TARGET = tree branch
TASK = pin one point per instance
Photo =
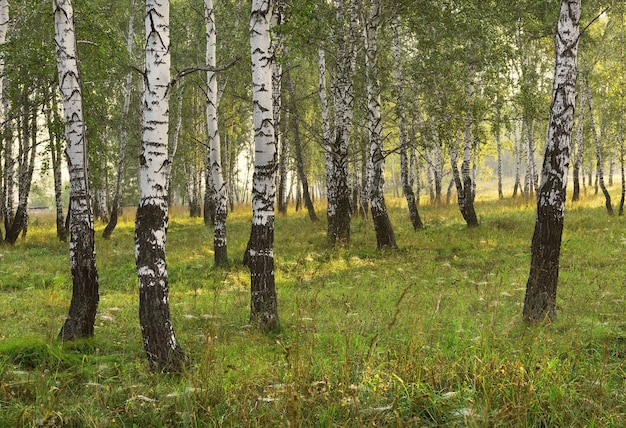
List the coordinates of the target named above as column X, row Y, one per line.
column 194, row 68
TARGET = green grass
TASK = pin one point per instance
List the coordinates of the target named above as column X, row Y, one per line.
column 426, row 335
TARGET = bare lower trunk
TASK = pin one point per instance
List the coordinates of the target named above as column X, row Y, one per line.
column 163, row 351
column 540, row 299
column 295, row 126
column 117, row 195
column 263, row 303
column 407, row 188
column 215, row 154
column 579, row 147
column 599, row 165
column 85, row 295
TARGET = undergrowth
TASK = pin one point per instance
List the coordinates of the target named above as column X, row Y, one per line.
column 426, row 335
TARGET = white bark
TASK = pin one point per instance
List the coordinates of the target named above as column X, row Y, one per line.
column 71, row 94
column 215, row 156
column 160, row 344
column 261, row 247
column 117, row 197
column 540, row 299
column 82, row 311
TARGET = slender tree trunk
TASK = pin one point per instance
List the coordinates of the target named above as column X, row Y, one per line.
column 596, row 139
column 405, row 169
column 385, row 236
column 295, row 126
column 264, row 310
column 163, row 351
column 53, row 122
column 518, row 160
column 117, row 195
column 579, row 145
column 277, row 45
column 465, row 194
column 339, row 210
column 622, row 117
column 82, row 312
column 540, row 299
column 497, row 132
column 26, row 165
column 215, row 154
column 4, row 106
column 364, row 196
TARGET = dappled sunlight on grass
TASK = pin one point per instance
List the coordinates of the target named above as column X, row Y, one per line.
column 429, row 334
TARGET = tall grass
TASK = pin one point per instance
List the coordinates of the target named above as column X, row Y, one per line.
column 426, row 335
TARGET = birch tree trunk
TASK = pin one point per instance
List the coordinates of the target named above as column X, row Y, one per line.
column 596, row 139
column 579, row 145
column 465, row 192
column 4, row 26
column 405, row 169
column 163, row 351
column 26, row 164
column 497, row 131
column 339, row 210
column 53, row 121
column 297, row 140
column 385, row 236
column 277, row 46
column 540, row 299
column 264, row 311
column 85, row 296
column 622, row 117
column 215, row 154
column 117, row 196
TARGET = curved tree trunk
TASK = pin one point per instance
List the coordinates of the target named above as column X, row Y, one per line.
column 117, row 196
column 163, row 351
column 85, row 295
column 385, row 236
column 26, row 165
column 464, row 187
column 215, row 154
column 596, row 139
column 263, row 305
column 540, row 299
column 405, row 169
column 295, row 126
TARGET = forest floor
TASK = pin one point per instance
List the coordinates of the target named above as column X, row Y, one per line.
column 426, row 335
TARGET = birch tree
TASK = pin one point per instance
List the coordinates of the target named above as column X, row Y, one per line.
column 117, row 195
column 160, row 344
column 264, row 311
column 82, row 312
column 385, row 236
column 463, row 181
column 4, row 26
column 540, row 298
column 405, row 169
column 596, row 140
column 215, row 157
column 338, row 191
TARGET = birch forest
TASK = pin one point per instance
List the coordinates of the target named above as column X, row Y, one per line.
column 377, row 132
